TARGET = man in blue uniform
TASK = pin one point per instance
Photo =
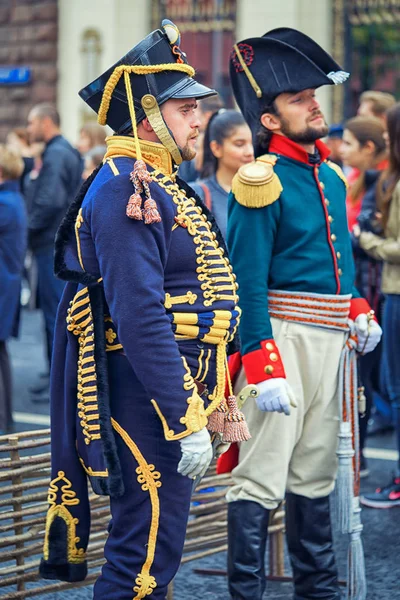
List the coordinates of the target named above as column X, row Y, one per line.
column 142, row 333
column 291, row 251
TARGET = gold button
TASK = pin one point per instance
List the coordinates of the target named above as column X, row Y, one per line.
column 326, row 201
column 269, row 369
column 340, row 271
column 330, row 219
column 322, row 185
column 333, row 237
column 273, row 357
column 148, row 101
column 269, row 346
column 338, row 255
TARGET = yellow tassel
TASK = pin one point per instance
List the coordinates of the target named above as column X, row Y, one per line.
column 257, row 185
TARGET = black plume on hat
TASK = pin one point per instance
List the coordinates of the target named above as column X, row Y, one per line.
column 154, row 49
column 283, row 60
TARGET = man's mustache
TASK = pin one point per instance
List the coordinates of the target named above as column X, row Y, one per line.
column 315, row 115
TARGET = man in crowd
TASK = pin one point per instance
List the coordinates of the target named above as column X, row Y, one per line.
column 55, row 187
column 334, row 142
column 375, row 104
column 142, row 331
column 291, row 251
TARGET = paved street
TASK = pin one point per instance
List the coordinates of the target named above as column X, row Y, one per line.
column 381, row 528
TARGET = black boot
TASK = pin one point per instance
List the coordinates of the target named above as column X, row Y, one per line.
column 247, row 538
column 309, row 537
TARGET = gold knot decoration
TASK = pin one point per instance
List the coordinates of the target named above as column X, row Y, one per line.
column 195, row 416
column 145, row 585
column 147, row 476
column 110, row 335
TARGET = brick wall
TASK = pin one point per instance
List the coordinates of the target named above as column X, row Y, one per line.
column 28, row 37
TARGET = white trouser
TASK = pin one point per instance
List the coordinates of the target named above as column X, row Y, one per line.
column 296, row 453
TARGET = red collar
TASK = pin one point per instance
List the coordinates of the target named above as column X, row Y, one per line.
column 280, row 144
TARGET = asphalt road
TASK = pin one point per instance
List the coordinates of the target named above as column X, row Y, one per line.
column 381, row 527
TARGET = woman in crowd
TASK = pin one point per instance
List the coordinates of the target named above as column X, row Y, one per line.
column 386, row 247
column 18, row 140
column 13, row 235
column 364, row 149
column 227, row 146
column 91, row 135
column 93, row 158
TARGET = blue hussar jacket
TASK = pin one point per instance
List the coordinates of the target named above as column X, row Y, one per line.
column 299, row 242
column 133, row 286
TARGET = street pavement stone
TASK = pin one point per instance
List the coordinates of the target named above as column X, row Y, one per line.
column 381, row 527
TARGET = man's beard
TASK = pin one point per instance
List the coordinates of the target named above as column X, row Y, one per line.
column 187, row 152
column 308, row 135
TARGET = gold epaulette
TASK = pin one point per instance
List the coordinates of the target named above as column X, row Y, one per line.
column 256, row 184
column 338, row 171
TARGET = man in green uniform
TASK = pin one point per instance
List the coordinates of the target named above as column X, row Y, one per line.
column 302, row 319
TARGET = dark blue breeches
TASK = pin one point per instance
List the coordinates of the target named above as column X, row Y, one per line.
column 148, row 525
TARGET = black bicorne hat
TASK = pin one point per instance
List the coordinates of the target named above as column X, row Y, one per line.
column 283, row 60
column 155, row 49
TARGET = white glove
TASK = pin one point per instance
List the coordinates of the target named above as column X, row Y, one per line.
column 276, row 395
column 368, row 334
column 196, row 454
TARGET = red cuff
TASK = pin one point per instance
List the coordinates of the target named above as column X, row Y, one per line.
column 359, row 306
column 263, row 364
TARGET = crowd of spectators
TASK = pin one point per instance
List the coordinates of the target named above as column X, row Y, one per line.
column 40, row 173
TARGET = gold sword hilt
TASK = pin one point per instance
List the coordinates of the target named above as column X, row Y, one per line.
column 249, row 391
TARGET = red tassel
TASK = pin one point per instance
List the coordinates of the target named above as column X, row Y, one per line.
column 141, row 178
column 151, row 214
column 216, row 421
column 235, row 427
column 134, row 207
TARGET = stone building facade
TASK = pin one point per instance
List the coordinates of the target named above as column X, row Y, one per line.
column 66, row 43
column 95, row 33
column 28, row 38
